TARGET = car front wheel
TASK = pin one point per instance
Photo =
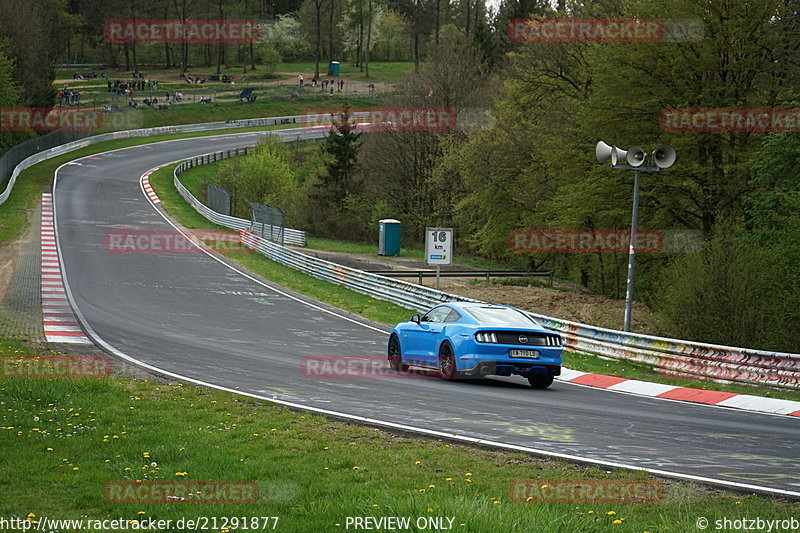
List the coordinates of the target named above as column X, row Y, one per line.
column 541, row 382
column 395, row 355
column 447, row 362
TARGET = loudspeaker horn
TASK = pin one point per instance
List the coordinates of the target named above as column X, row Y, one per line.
column 617, row 154
column 602, row 151
column 636, row 156
column 664, row 156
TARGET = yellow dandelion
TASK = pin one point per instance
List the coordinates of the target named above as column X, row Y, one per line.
column 611, row 513
column 617, row 521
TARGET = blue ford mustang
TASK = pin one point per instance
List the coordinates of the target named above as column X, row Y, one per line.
column 465, row 339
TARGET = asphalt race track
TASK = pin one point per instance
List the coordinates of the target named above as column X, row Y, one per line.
column 191, row 315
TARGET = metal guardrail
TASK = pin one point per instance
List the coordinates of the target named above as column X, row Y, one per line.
column 670, row 356
column 290, row 236
column 488, row 274
column 396, row 291
column 679, row 357
column 11, row 159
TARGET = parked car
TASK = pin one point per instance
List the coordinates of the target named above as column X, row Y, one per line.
column 465, row 339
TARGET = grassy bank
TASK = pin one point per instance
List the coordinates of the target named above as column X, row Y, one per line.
column 72, row 437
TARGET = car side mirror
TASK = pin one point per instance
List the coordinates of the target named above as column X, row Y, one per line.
column 415, row 319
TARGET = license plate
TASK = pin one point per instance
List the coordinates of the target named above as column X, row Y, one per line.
column 530, row 354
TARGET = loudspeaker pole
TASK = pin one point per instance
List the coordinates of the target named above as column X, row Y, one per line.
column 663, row 157
column 632, row 251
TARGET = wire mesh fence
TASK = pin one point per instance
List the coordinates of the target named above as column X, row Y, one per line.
column 218, row 199
column 268, row 222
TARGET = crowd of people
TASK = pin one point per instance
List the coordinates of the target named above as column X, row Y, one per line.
column 86, row 75
column 127, row 87
column 69, row 96
column 326, row 85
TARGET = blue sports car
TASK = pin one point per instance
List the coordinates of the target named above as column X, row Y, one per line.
column 465, row 339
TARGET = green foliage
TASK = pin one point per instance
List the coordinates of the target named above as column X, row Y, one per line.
column 270, row 58
column 285, row 37
column 721, row 294
column 335, row 192
column 265, row 176
column 10, row 94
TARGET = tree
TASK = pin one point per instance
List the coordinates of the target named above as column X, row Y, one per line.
column 341, row 145
column 336, row 191
column 286, row 36
column 10, row 94
column 312, row 10
column 265, row 176
column 35, row 30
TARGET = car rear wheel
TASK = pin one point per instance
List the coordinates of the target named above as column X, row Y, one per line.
column 541, row 382
column 447, row 362
column 395, row 355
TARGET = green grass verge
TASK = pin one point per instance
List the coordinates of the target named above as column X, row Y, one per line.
column 66, row 439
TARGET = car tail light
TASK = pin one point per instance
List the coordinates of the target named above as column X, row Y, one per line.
column 486, row 337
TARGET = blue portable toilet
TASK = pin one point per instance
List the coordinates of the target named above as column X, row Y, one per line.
column 334, row 68
column 389, row 237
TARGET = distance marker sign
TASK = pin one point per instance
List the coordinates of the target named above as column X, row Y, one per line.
column 438, row 246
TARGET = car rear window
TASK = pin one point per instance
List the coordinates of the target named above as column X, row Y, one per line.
column 500, row 316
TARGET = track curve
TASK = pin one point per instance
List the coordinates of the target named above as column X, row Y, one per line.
column 192, row 315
